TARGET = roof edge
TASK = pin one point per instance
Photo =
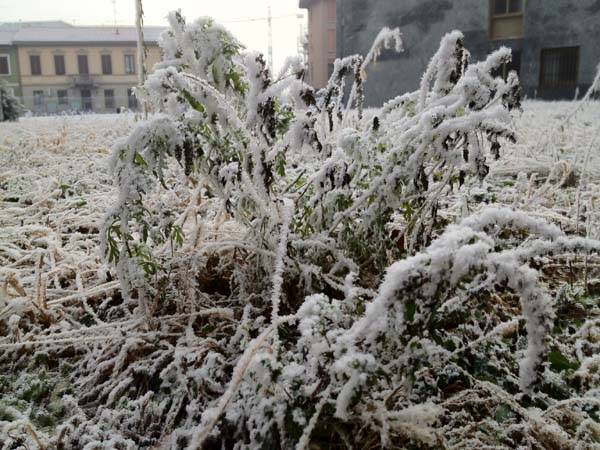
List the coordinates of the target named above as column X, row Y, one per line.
column 306, row 3
column 81, row 43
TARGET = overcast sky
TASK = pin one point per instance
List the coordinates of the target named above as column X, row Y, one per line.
column 253, row 34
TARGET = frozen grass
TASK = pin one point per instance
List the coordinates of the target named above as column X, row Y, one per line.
column 54, row 185
column 55, row 189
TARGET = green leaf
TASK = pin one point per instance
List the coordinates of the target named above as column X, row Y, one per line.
column 280, row 164
column 236, row 81
column 560, row 362
column 215, row 74
column 503, row 413
column 64, row 187
column 408, row 211
column 139, row 160
column 193, row 102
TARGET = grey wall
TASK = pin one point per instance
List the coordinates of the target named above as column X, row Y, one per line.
column 422, row 23
column 561, row 23
column 548, row 23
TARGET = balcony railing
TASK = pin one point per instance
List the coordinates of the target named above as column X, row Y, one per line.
column 85, row 81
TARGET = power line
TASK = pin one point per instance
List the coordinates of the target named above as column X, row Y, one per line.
column 260, row 19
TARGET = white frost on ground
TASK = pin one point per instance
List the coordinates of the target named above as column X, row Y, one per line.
column 54, row 186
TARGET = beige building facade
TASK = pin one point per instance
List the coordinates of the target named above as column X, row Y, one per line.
column 81, row 68
column 321, row 39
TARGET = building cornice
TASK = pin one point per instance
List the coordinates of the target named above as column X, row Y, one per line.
column 306, row 3
column 80, row 43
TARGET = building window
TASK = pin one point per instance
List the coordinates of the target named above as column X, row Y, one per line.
column 86, row 99
column 131, row 99
column 82, row 64
column 4, row 65
column 59, row 64
column 106, row 65
column 507, row 7
column 63, row 96
column 129, row 64
column 36, row 65
column 559, row 67
column 38, row 98
column 109, row 98
column 506, row 19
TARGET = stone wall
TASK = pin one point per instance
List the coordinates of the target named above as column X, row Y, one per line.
column 560, row 23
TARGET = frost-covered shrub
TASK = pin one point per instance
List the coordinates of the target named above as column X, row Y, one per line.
column 273, row 151
column 10, row 107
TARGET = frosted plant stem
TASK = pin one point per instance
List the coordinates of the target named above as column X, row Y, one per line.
column 97, row 290
column 139, row 13
column 212, row 416
column 280, row 259
column 305, row 438
column 583, row 176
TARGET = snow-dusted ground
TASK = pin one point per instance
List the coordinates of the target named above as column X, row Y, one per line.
column 553, row 131
column 54, row 188
column 54, row 185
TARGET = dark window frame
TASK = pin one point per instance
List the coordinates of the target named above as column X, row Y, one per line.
column 83, row 68
column 132, row 102
column 60, row 69
column 106, row 62
column 6, row 57
column 496, row 19
column 127, row 66
column 86, row 105
column 38, row 98
column 109, row 100
column 567, row 59
column 35, row 64
column 508, row 8
column 62, row 99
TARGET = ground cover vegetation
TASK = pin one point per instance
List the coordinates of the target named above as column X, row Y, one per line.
column 265, row 265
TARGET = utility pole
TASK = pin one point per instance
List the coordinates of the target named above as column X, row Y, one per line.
column 270, row 26
column 139, row 12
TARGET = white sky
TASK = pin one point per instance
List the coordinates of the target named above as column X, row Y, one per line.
column 253, row 35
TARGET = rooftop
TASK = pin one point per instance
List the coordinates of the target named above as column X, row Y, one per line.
column 16, row 26
column 62, row 32
column 6, row 37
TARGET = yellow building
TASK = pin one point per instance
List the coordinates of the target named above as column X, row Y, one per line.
column 74, row 68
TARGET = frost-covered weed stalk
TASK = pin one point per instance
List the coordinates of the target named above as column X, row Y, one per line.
column 293, row 275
